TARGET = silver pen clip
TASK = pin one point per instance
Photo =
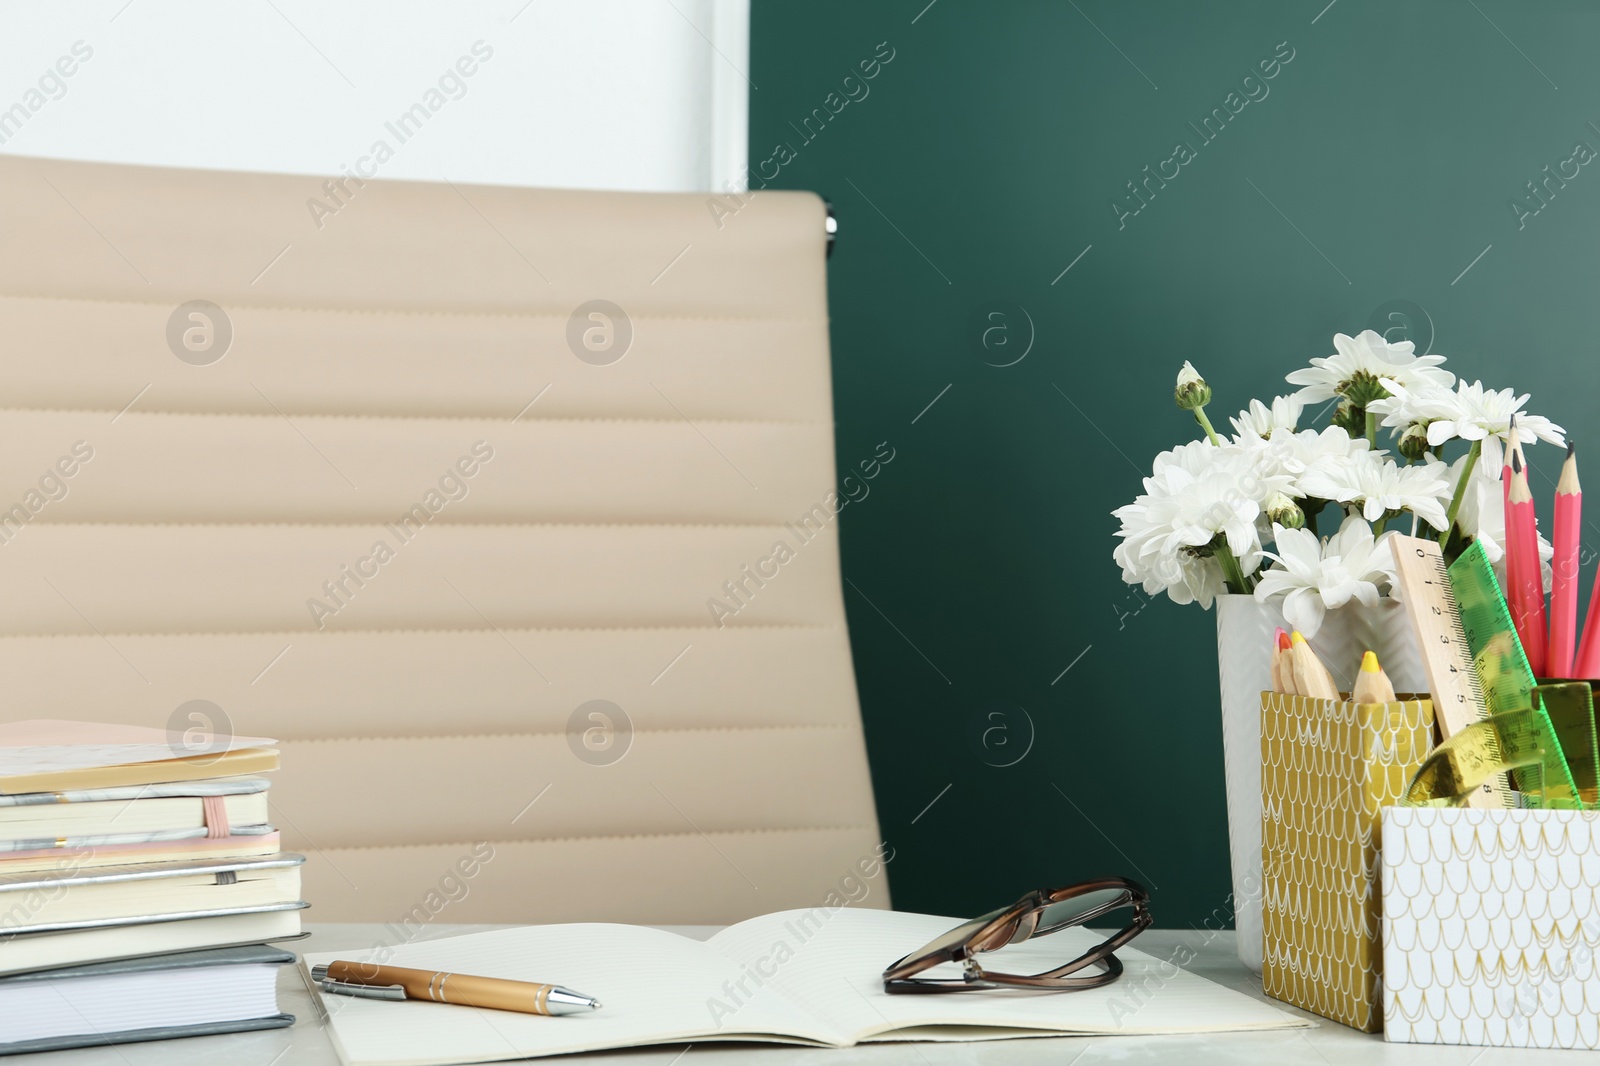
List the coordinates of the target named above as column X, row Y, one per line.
column 319, row 974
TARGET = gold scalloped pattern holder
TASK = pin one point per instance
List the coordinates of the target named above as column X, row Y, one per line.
column 1491, row 925
column 1327, row 768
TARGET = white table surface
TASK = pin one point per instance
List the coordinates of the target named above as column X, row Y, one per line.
column 1330, row 1044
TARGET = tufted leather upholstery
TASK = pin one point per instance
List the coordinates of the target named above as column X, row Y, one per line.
column 221, row 543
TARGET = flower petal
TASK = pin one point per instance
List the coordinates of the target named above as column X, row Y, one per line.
column 1303, row 609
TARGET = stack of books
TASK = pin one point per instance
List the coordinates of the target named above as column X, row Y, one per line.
column 140, row 884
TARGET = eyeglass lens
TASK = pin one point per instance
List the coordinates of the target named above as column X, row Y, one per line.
column 1079, row 909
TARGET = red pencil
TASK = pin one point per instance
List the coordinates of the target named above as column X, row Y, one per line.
column 1507, row 476
column 1566, row 533
column 1524, row 581
column 1587, row 662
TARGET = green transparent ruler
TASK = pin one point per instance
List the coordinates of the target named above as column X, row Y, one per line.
column 1478, row 755
column 1508, row 686
column 1570, row 705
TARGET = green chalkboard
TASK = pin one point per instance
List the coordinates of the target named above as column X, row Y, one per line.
column 1031, row 720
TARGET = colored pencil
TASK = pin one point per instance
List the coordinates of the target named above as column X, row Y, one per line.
column 1507, row 476
column 1566, row 532
column 1282, row 667
column 1372, row 684
column 1586, row 664
column 1277, row 666
column 1524, row 579
column 1311, row 678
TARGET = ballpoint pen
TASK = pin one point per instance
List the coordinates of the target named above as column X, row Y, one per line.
column 495, row 993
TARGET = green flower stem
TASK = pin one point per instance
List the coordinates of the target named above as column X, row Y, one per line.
column 1461, row 490
column 1312, row 506
column 1232, row 572
column 1372, row 429
column 1205, row 424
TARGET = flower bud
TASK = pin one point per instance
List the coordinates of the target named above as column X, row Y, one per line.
column 1192, row 390
column 1351, row 419
column 1283, row 511
column 1414, row 442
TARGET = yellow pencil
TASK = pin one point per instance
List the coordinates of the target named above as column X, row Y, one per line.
column 1311, row 678
column 1372, row 684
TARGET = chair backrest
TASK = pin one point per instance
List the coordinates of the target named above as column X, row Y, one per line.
column 408, row 476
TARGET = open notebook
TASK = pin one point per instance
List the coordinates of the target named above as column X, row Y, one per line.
column 804, row 977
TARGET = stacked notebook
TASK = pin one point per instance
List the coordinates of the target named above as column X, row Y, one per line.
column 138, row 890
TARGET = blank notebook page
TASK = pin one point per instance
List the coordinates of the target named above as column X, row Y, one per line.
column 652, row 987
column 838, row 959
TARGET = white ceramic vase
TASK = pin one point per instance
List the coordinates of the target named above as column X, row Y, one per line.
column 1244, row 642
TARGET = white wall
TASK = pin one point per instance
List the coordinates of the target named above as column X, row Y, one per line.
column 607, row 94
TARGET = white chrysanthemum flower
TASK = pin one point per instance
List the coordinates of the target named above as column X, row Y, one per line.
column 1198, row 457
column 1264, row 421
column 1314, row 577
column 1375, row 484
column 1181, row 510
column 1366, row 359
column 1184, row 578
column 1196, row 493
column 1399, row 410
column 1470, row 413
column 1292, row 454
column 1331, row 445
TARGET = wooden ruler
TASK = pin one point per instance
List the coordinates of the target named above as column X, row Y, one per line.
column 1458, row 694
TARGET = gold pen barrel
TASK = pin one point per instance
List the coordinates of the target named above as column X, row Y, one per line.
column 492, row 993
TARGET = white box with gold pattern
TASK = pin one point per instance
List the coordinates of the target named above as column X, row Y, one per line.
column 1491, row 925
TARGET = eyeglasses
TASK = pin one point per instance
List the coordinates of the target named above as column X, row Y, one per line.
column 1037, row 914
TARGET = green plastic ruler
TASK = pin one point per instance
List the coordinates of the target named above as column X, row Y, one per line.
column 1509, row 684
column 1570, row 705
column 1477, row 755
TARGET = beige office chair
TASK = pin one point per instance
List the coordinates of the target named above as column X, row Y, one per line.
column 401, row 493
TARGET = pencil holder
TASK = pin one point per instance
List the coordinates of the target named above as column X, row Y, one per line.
column 1327, row 768
column 1491, row 921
